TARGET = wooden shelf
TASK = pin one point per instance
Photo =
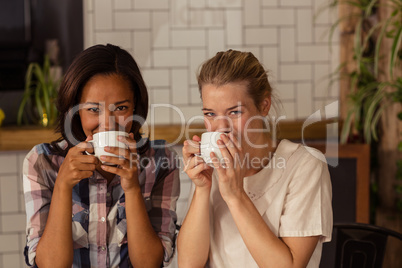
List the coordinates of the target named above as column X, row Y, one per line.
column 24, row 138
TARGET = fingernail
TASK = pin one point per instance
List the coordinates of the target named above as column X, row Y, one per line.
column 103, row 157
column 107, row 148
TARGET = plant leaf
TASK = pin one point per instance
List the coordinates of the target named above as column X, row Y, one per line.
column 357, row 43
column 38, row 103
column 371, row 114
column 353, row 3
column 46, row 67
column 378, row 45
column 370, row 34
column 335, row 25
column 38, row 73
column 27, row 91
column 20, row 113
column 346, row 128
column 394, row 51
column 374, row 123
column 368, row 10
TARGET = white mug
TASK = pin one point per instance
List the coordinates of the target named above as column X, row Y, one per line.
column 107, row 138
column 209, row 144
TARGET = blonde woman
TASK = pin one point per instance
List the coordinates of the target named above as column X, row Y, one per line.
column 265, row 205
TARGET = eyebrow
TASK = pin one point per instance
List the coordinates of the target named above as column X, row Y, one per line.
column 230, row 108
column 96, row 103
column 121, row 102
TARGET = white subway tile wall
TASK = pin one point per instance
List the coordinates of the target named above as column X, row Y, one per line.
column 252, row 14
column 12, row 209
column 173, row 38
column 170, row 39
column 122, row 4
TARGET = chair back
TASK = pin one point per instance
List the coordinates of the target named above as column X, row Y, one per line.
column 357, row 245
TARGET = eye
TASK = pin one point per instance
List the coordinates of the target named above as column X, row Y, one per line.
column 209, row 114
column 121, row 108
column 94, row 109
column 235, row 112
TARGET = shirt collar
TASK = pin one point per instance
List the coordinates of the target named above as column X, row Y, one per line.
column 258, row 184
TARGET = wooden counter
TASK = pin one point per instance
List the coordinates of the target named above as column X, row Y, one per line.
column 24, row 138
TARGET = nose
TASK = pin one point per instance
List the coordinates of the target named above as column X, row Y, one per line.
column 222, row 124
column 107, row 121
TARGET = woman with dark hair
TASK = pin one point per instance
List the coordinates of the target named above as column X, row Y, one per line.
column 265, row 204
column 83, row 213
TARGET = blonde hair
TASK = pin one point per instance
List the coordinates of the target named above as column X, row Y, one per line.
column 236, row 66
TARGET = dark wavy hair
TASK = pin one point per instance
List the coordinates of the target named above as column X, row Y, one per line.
column 97, row 60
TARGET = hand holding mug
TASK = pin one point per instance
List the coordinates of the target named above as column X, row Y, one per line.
column 123, row 162
column 76, row 165
column 232, row 172
column 104, row 139
column 195, row 167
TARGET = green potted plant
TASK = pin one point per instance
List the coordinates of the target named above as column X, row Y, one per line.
column 370, row 77
column 367, row 93
column 41, row 89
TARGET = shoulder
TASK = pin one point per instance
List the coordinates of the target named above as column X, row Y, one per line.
column 39, row 150
column 300, row 156
column 304, row 165
column 43, row 153
column 47, row 148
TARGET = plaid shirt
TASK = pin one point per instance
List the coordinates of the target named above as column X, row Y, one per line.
column 99, row 219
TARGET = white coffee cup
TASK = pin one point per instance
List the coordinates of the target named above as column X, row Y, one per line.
column 107, row 138
column 209, row 144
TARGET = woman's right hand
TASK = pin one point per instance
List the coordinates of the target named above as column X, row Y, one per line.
column 77, row 165
column 195, row 167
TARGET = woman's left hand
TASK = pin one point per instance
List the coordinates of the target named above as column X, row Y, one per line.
column 127, row 167
column 231, row 170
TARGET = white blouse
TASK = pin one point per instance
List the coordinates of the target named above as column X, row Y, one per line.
column 292, row 194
